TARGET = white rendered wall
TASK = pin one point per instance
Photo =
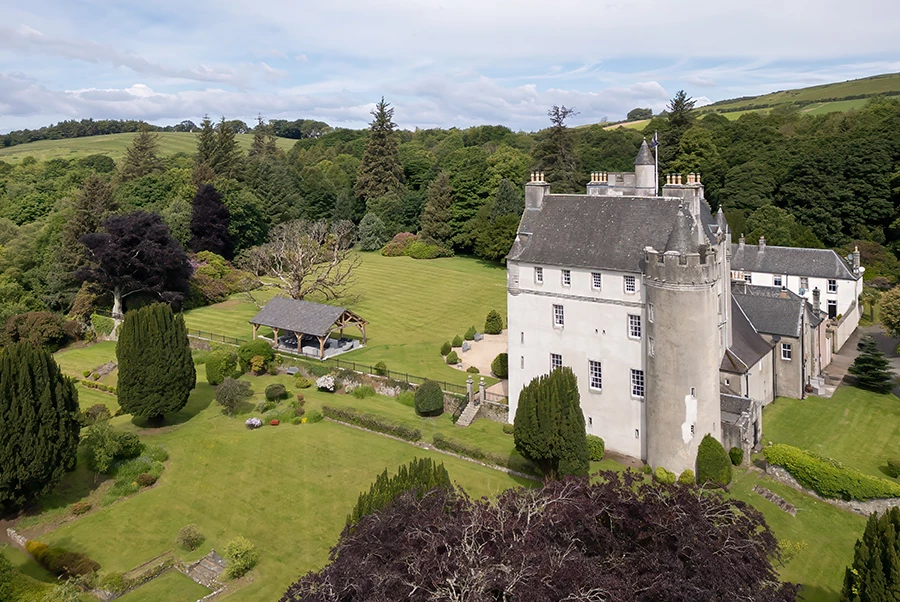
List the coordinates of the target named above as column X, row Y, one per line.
column 596, row 328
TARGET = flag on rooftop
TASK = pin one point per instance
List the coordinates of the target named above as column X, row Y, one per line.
column 654, row 142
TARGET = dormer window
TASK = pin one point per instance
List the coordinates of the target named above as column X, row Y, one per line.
column 538, row 275
column 566, row 278
column 777, row 281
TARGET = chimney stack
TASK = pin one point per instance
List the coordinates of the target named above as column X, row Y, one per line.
column 856, row 259
column 536, row 190
column 817, row 299
column 762, row 243
column 741, row 241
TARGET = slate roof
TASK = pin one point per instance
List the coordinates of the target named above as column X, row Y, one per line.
column 747, row 347
column 644, row 157
column 771, row 310
column 304, row 317
column 734, row 404
column 599, row 232
column 814, row 263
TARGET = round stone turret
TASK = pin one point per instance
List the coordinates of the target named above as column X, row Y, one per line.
column 644, row 172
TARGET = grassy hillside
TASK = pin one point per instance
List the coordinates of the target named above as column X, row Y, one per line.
column 113, row 145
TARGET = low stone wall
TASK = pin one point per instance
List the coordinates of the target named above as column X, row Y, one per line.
column 16, row 538
column 776, row 499
column 497, row 412
column 859, row 507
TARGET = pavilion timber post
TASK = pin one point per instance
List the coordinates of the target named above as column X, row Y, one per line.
column 255, row 329
column 322, row 347
column 276, row 330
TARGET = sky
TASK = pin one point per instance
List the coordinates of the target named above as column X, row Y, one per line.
column 440, row 63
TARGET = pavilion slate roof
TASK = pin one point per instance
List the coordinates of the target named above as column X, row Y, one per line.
column 599, row 232
column 814, row 263
column 304, row 317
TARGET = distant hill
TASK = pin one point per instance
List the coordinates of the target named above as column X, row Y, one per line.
column 114, row 145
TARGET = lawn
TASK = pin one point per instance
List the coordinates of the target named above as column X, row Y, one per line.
column 75, row 361
column 289, row 489
column 857, row 427
column 413, row 306
column 114, row 145
column 171, row 585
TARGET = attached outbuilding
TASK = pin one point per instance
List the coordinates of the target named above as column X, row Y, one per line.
column 291, row 320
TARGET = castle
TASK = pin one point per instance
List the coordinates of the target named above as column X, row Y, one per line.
column 638, row 294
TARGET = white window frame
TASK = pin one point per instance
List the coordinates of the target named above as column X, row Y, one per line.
column 787, row 352
column 832, row 286
column 566, row 277
column 635, row 328
column 777, row 280
column 638, row 384
column 804, row 283
column 553, row 363
column 559, row 316
column 538, row 275
column 597, row 281
column 630, row 283
column 595, row 375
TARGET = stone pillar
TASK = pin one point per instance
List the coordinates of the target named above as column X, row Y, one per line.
column 481, row 389
column 470, row 389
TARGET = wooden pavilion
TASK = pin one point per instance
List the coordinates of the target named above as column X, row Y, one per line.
column 306, row 318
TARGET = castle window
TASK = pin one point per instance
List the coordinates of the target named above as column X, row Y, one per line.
column 522, row 362
column 650, row 312
column 559, row 318
column 596, row 281
column 748, row 277
column 590, row 422
column 651, row 347
column 786, row 351
column 634, row 326
column 777, row 281
column 555, row 361
column 538, row 275
column 596, row 375
column 692, row 430
column 637, row 383
column 832, row 309
column 637, row 434
column 693, row 392
column 566, row 278
column 832, row 286
column 804, row 283
column 630, row 284
column 522, row 337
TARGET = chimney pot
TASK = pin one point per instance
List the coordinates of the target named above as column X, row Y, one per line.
column 741, row 241
column 762, row 243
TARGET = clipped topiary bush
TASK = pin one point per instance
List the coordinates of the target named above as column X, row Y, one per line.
column 472, row 370
column 446, row 348
column 452, row 358
column 596, row 448
column 301, row 382
column 737, row 455
column 713, row 463
column 687, row 477
column 661, row 475
column 470, row 334
column 241, row 555
column 380, row 369
column 220, row 364
column 500, row 365
column 429, row 399
column 457, row 341
column 493, row 324
column 893, row 466
column 276, row 392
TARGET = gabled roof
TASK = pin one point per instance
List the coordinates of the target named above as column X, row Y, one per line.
column 770, row 310
column 298, row 316
column 747, row 347
column 814, row 263
column 599, row 232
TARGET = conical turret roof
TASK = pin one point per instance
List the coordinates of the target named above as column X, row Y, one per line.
column 681, row 238
column 644, row 156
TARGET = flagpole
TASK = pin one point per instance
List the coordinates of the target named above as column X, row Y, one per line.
column 656, row 167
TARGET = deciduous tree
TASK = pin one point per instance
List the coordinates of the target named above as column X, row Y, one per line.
column 232, row 393
column 549, row 425
column 156, row 371
column 38, row 425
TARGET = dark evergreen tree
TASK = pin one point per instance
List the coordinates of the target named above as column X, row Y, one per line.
column 679, row 110
column 206, row 142
column 380, row 172
column 38, row 426
column 277, row 186
column 497, row 222
column 209, row 223
column 91, row 205
column 141, row 158
column 555, row 152
column 156, row 371
column 435, row 221
column 226, row 156
column 264, row 144
column 874, row 575
column 135, row 253
column 713, row 462
column 418, row 478
column 549, row 425
column 372, row 233
column 871, row 369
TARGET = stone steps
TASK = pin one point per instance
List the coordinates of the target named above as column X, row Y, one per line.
column 468, row 415
column 206, row 571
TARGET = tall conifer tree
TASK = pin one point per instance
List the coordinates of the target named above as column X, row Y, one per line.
column 871, row 369
column 436, row 217
column 380, row 172
column 874, row 575
column 156, row 372
column 549, row 425
column 206, row 142
column 226, row 156
column 209, row 223
column 141, row 158
column 92, row 204
column 556, row 152
column 38, row 427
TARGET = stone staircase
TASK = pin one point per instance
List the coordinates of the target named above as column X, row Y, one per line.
column 206, row 571
column 468, row 415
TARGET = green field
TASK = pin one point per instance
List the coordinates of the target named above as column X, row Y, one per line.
column 171, row 585
column 412, row 306
column 114, row 145
column 856, row 427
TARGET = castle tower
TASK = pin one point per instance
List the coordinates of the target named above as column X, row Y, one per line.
column 684, row 348
column 644, row 172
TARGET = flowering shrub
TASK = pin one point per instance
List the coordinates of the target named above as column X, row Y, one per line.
column 274, row 422
column 325, row 383
column 253, row 423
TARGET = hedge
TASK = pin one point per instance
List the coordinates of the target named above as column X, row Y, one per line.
column 828, row 477
column 500, row 365
column 429, row 399
column 373, row 423
column 516, row 463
